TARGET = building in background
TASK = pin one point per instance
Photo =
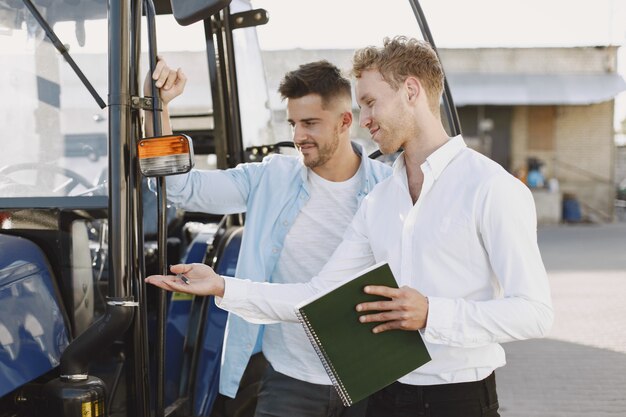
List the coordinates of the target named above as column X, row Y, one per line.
column 554, row 106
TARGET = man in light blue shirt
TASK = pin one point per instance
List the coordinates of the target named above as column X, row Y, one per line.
column 297, row 209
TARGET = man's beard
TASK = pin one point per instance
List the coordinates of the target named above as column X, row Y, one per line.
column 393, row 138
column 324, row 153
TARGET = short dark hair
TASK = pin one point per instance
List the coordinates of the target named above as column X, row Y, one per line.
column 319, row 77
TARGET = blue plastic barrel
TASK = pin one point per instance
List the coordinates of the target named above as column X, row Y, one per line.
column 571, row 210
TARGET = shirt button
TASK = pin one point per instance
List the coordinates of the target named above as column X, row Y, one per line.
column 274, row 250
column 285, row 223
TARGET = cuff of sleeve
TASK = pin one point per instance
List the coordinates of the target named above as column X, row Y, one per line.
column 440, row 320
column 234, row 290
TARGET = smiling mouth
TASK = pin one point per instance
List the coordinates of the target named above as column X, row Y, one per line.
column 306, row 146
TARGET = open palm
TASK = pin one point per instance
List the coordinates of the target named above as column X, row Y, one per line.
column 202, row 280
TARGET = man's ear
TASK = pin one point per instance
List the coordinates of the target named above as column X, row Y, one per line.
column 346, row 120
column 413, row 88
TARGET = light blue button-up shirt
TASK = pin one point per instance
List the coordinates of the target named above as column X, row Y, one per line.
column 272, row 194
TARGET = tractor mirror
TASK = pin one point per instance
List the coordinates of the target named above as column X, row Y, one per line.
column 187, row 12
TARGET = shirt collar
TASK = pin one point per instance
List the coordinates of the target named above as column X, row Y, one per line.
column 438, row 160
column 364, row 167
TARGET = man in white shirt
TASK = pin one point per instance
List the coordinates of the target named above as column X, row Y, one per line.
column 297, row 209
column 457, row 230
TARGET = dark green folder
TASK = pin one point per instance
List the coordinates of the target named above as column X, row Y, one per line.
column 358, row 361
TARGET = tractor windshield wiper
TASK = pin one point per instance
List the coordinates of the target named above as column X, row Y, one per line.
column 63, row 50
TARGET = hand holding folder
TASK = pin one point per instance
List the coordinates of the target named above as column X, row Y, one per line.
column 358, row 361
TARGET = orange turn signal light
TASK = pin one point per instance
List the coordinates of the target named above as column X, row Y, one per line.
column 165, row 155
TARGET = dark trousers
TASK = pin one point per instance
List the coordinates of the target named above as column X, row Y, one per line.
column 466, row 399
column 283, row 396
column 244, row 403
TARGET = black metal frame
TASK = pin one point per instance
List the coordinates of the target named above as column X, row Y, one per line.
column 125, row 225
column 125, row 230
column 224, row 90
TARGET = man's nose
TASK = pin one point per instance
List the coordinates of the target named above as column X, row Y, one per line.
column 299, row 134
column 364, row 119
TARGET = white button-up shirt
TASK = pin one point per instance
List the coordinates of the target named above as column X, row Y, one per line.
column 469, row 244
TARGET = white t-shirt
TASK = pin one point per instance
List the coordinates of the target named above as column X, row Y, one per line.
column 313, row 237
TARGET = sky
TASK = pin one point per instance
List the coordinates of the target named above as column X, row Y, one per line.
column 528, row 22
column 475, row 23
column 453, row 23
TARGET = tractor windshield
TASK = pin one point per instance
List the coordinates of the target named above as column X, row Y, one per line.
column 53, row 131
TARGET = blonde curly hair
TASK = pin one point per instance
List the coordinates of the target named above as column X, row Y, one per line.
column 399, row 58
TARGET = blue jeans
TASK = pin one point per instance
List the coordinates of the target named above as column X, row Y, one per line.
column 466, row 399
column 283, row 396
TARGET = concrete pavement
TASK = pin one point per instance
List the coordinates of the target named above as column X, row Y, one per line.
column 580, row 368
